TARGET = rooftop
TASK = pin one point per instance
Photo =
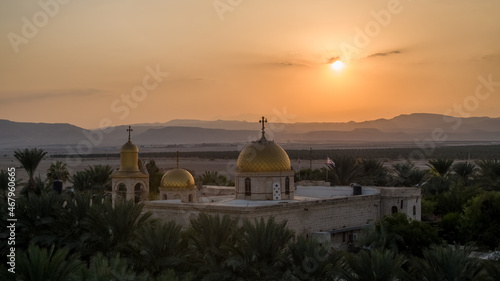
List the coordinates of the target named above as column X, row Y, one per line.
column 302, row 194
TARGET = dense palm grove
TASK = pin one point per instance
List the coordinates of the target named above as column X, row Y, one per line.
column 80, row 235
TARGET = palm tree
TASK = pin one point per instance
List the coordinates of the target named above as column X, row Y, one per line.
column 493, row 270
column 312, row 261
column 373, row 172
column 57, row 171
column 464, row 170
column 446, row 264
column 29, row 159
column 373, row 265
column 490, row 174
column 114, row 268
column 39, row 219
column 82, row 180
column 408, row 175
column 110, row 229
column 379, row 237
column 48, row 264
column 211, row 241
column 345, row 171
column 94, row 177
column 440, row 167
column 263, row 252
column 213, row 178
column 157, row 246
column 100, row 176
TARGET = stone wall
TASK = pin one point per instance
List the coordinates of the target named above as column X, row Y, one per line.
column 401, row 199
column 262, row 185
column 303, row 217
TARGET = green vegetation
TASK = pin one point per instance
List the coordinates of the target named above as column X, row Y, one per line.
column 92, row 178
column 462, row 152
column 29, row 159
column 82, row 236
column 214, row 178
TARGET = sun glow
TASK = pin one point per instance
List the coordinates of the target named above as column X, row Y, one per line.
column 337, row 65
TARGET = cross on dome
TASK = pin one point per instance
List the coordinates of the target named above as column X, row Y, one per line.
column 263, row 121
column 129, row 130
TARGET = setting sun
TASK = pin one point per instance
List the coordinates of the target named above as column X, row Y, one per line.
column 337, row 65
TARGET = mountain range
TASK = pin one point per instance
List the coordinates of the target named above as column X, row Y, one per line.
column 402, row 128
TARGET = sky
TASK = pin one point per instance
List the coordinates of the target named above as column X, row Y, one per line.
column 98, row 63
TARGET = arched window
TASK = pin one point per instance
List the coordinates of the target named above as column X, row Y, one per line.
column 138, row 193
column 287, row 185
column 248, row 187
column 121, row 193
column 164, row 196
column 394, row 209
column 190, row 198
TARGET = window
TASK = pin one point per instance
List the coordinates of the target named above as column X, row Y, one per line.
column 121, row 193
column 414, row 210
column 248, row 187
column 394, row 209
column 401, row 204
column 287, row 185
column 137, row 193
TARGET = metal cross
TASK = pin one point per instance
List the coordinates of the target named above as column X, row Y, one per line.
column 263, row 121
column 129, row 130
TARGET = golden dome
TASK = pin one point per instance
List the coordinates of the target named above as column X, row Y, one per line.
column 129, row 157
column 129, row 147
column 263, row 156
column 178, row 179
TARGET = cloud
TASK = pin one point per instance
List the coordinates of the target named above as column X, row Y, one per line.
column 491, row 57
column 384, row 54
column 57, row 94
column 332, row 60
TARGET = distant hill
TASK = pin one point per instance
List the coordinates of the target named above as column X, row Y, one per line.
column 402, row 128
column 406, row 123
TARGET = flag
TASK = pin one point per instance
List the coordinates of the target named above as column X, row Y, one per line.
column 329, row 161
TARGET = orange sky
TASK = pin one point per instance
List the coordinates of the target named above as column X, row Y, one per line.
column 82, row 62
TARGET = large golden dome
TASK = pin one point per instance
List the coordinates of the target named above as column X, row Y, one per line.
column 263, row 156
column 177, row 179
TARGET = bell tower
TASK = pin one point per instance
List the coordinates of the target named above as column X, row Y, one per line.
column 131, row 181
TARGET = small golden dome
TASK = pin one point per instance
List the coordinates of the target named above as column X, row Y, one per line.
column 263, row 156
column 129, row 157
column 129, row 147
column 178, row 179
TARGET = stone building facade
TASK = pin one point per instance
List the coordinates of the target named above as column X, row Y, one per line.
column 131, row 181
column 264, row 187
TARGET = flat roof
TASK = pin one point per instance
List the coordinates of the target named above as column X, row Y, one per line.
column 302, row 194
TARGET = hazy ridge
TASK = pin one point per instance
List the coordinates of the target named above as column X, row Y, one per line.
column 402, row 128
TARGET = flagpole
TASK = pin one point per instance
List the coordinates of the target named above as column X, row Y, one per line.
column 326, row 173
column 299, row 168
